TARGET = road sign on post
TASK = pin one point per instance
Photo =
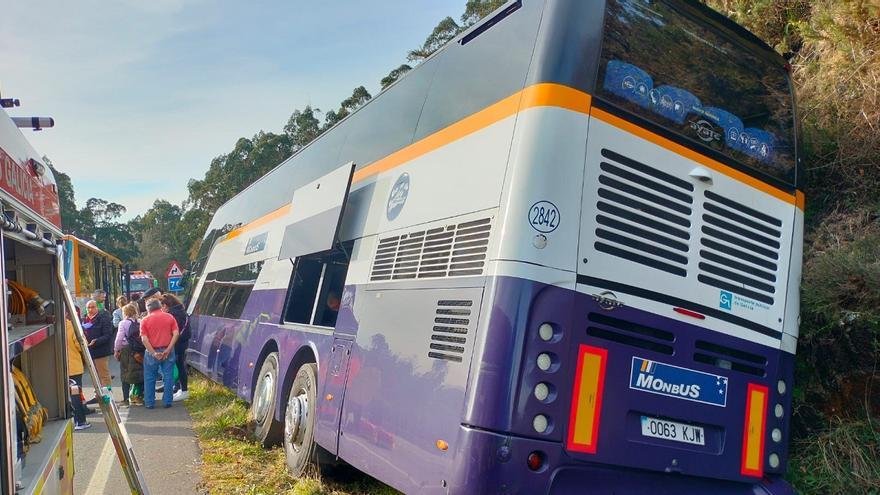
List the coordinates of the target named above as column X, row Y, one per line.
column 174, row 274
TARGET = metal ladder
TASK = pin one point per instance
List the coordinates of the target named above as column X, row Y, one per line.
column 118, row 434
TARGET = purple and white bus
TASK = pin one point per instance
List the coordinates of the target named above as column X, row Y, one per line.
column 561, row 255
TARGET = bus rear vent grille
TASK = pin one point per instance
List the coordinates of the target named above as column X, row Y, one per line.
column 729, row 358
column 739, row 248
column 450, row 251
column 449, row 335
column 629, row 333
column 643, row 214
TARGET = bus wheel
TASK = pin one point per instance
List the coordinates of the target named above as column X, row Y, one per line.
column 267, row 431
column 300, row 448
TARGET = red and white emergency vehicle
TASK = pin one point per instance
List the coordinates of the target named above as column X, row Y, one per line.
column 36, row 428
column 36, row 425
column 141, row 281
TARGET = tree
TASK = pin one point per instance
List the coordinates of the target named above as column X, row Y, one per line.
column 164, row 233
column 248, row 161
column 358, row 97
column 70, row 220
column 193, row 226
column 442, row 34
column 303, row 126
column 394, row 75
column 474, row 10
column 97, row 222
column 101, row 227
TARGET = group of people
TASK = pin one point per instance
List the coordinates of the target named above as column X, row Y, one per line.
column 147, row 336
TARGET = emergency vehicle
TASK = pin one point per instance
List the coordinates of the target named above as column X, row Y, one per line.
column 141, row 281
column 36, row 425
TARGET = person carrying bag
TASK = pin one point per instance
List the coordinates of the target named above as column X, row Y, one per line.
column 131, row 354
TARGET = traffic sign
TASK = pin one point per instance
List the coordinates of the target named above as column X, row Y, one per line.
column 174, row 270
column 174, row 284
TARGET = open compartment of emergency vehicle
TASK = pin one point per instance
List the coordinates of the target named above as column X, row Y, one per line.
column 36, row 454
column 36, row 348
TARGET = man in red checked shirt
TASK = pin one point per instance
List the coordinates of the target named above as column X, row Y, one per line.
column 159, row 333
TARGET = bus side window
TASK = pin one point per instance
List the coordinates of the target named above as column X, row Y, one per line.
column 226, row 292
column 303, row 290
column 316, row 288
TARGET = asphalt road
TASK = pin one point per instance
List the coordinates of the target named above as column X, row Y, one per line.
column 164, row 445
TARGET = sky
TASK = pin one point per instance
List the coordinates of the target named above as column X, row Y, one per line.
column 145, row 93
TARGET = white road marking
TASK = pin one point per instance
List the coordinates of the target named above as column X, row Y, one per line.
column 106, row 461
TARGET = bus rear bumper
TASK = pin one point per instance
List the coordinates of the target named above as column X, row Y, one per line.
column 492, row 463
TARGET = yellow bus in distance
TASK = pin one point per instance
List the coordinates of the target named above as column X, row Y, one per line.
column 88, row 268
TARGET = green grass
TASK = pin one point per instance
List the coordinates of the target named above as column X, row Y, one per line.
column 845, row 459
column 233, row 463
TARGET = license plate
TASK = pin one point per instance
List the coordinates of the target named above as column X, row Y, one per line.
column 670, row 430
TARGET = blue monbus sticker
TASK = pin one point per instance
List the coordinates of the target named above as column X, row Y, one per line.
column 677, row 382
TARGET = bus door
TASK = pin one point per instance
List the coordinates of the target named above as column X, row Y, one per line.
column 407, row 380
column 332, row 394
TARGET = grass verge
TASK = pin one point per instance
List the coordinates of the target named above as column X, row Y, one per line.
column 232, row 463
column 845, row 459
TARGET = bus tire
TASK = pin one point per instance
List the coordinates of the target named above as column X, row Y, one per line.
column 267, row 430
column 301, row 451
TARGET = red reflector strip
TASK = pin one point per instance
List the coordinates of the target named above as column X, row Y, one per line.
column 687, row 312
column 586, row 399
column 754, row 431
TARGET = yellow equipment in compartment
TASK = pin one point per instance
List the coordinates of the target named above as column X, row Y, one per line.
column 32, row 412
column 20, row 297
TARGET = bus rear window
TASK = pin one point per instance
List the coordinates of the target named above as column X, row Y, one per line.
column 693, row 79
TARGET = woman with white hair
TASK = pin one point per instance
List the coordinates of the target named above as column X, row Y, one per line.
column 99, row 333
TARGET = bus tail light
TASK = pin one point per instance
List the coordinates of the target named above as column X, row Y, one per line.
column 586, row 400
column 535, row 460
column 753, row 433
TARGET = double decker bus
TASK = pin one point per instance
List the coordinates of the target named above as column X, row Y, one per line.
column 561, row 255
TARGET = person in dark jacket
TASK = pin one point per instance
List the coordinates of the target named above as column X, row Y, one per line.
column 130, row 354
column 173, row 306
column 99, row 333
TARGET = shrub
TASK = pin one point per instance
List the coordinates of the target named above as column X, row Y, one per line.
column 845, row 459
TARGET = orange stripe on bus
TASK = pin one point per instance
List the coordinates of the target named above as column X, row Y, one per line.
column 693, row 155
column 538, row 95
column 268, row 217
column 555, row 95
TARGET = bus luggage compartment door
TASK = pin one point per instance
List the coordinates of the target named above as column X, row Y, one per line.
column 333, row 377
